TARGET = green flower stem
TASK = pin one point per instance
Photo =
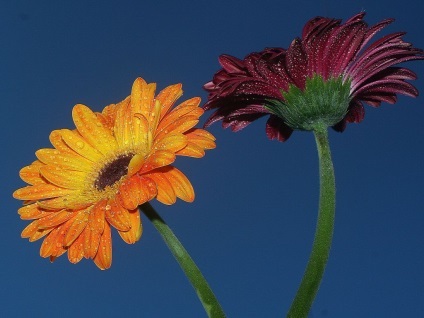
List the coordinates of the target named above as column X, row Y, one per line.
column 324, row 230
column 204, row 292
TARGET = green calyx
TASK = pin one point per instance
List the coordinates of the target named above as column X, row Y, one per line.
column 321, row 103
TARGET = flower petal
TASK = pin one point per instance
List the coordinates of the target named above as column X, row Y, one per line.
column 58, row 249
column 103, row 258
column 96, row 224
column 181, row 185
column 134, row 234
column 33, row 233
column 142, row 96
column 40, row 191
column 117, row 216
column 78, row 144
column 68, row 179
column 158, row 159
column 171, row 142
column 168, row 96
column 53, row 243
column 58, row 142
column 72, row 201
column 166, row 193
column 135, row 191
column 31, row 174
column 32, row 212
column 63, row 160
column 92, row 130
column 76, row 250
column 197, row 141
column 54, row 219
column 78, row 225
column 188, row 107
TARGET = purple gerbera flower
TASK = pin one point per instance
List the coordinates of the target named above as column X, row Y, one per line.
column 328, row 74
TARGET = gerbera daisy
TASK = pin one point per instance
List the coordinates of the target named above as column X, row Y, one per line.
column 98, row 174
column 323, row 77
column 321, row 80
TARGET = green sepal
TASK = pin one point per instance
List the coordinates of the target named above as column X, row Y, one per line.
column 321, row 103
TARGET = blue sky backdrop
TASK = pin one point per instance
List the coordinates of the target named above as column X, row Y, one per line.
column 251, row 226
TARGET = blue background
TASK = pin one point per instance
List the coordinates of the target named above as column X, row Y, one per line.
column 251, row 226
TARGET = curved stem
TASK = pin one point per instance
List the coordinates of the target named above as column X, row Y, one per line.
column 204, row 292
column 324, row 230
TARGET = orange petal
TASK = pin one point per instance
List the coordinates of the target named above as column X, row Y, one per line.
column 58, row 249
column 198, row 141
column 177, row 125
column 122, row 128
column 103, row 258
column 31, row 174
column 96, row 222
column 180, row 125
column 40, row 191
column 117, row 216
column 188, row 107
column 92, row 130
column 33, row 233
column 78, row 144
column 168, row 96
column 108, row 115
column 166, row 193
column 73, row 201
column 182, row 186
column 191, row 150
column 69, row 179
column 158, row 159
column 142, row 95
column 58, row 142
column 39, row 234
column 171, row 142
column 135, row 164
column 64, row 160
column 140, row 134
column 201, row 138
column 134, row 234
column 78, row 225
column 54, row 219
column 76, row 250
column 50, row 242
column 135, row 191
column 189, row 103
column 154, row 116
column 32, row 212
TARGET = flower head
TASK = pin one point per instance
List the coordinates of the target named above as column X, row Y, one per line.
column 98, row 174
column 323, row 78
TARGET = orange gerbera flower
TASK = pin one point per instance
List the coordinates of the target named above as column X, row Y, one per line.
column 98, row 174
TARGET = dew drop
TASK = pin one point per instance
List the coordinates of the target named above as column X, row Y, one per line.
column 80, row 144
column 108, row 207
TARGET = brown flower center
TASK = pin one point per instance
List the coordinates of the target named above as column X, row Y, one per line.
column 113, row 172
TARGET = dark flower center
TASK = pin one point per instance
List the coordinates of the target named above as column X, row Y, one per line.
column 113, row 172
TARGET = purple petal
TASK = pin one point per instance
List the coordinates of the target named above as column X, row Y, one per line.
column 277, row 129
column 296, row 63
